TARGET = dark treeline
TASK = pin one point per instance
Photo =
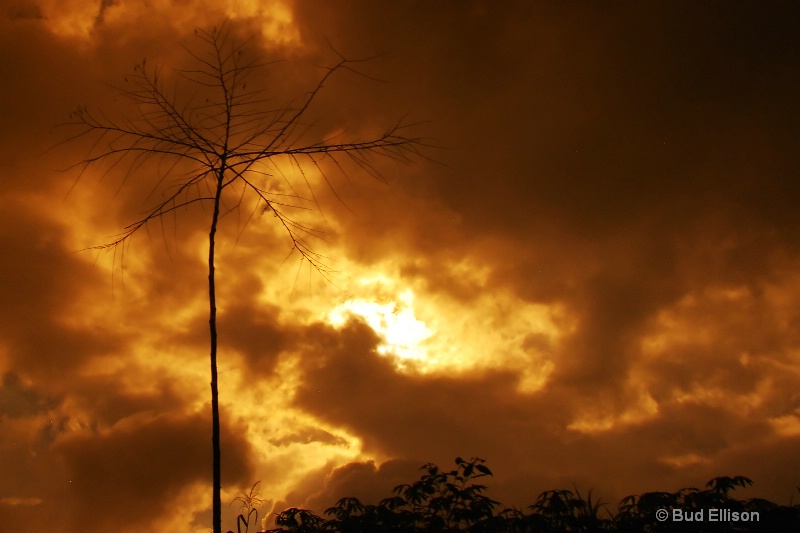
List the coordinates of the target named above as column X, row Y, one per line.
column 450, row 501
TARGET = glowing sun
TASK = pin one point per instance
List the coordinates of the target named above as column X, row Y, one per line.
column 394, row 321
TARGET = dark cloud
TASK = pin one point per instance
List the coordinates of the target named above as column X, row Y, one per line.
column 309, row 435
column 114, row 471
column 18, row 400
column 24, row 10
column 41, row 282
column 255, row 332
column 364, row 480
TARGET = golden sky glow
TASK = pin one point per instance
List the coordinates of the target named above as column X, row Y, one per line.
column 402, row 333
column 594, row 279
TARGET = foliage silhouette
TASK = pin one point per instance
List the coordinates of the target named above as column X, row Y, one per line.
column 249, row 502
column 216, row 141
column 450, row 502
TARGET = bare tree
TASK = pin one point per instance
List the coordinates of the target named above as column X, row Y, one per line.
column 229, row 136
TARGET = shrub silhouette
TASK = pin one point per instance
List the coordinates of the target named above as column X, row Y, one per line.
column 451, row 501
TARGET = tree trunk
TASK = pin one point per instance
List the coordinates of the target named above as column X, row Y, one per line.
column 216, row 504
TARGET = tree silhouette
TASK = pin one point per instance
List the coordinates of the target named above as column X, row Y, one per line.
column 451, row 502
column 222, row 140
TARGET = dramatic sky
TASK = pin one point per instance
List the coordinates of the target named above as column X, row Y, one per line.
column 592, row 275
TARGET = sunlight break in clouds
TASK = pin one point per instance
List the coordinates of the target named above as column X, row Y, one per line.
column 435, row 334
column 402, row 332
